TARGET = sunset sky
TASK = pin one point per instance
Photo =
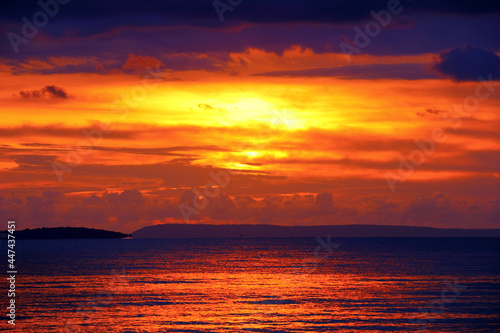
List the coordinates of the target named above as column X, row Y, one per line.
column 310, row 112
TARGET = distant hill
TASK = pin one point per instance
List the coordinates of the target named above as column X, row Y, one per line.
column 66, row 233
column 266, row 230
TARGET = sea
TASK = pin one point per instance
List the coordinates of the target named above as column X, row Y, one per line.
column 322, row 284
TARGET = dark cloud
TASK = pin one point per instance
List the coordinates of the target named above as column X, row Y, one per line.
column 324, row 200
column 372, row 71
column 36, row 144
column 134, row 65
column 55, row 130
column 138, row 64
column 32, row 162
column 130, row 210
column 177, row 32
column 127, row 197
column 85, row 67
column 50, row 92
column 468, row 63
column 163, row 151
column 479, row 161
column 484, row 129
column 495, row 211
column 202, row 13
column 55, row 92
column 429, row 112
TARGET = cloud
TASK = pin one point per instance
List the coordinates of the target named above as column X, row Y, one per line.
column 467, row 64
column 324, row 200
column 494, row 215
column 49, row 92
column 429, row 112
column 185, row 35
column 33, row 162
column 57, row 130
column 139, row 64
column 366, row 72
column 130, row 210
column 113, row 62
column 36, row 144
column 198, row 13
column 127, row 197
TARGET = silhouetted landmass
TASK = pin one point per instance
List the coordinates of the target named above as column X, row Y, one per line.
column 66, row 233
column 266, row 230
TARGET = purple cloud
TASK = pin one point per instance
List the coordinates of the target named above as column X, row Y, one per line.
column 51, row 92
column 468, row 64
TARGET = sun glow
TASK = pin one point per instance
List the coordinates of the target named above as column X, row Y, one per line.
column 252, row 154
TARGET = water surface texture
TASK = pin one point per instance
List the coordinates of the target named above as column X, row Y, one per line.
column 259, row 285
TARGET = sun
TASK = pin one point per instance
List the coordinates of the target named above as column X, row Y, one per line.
column 251, row 110
column 252, row 154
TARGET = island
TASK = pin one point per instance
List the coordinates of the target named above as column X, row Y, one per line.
column 66, row 233
column 175, row 230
